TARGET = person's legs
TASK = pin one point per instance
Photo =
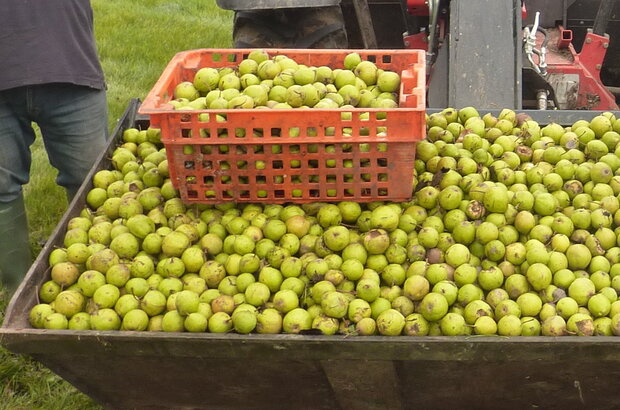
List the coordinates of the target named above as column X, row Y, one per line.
column 16, row 136
column 15, row 256
column 73, row 122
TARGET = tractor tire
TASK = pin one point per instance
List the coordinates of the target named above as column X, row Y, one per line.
column 321, row 27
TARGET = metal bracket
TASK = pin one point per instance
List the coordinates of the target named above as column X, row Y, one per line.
column 364, row 21
column 529, row 46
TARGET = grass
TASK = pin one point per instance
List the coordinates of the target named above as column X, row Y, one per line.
column 135, row 40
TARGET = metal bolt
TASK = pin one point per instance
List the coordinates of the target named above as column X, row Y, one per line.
column 588, row 40
column 605, row 45
column 598, row 66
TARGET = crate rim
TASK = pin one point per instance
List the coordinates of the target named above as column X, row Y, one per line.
column 404, row 125
column 149, row 106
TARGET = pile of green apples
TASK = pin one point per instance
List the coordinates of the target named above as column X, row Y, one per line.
column 513, row 229
column 262, row 81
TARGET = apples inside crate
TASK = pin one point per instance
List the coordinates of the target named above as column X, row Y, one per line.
column 291, row 155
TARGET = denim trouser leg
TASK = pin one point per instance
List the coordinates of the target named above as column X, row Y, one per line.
column 73, row 123
column 16, row 136
column 74, row 128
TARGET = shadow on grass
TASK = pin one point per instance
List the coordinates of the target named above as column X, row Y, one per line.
column 28, row 385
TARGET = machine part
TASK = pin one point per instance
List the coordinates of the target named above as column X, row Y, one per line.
column 437, row 82
column 433, row 7
column 614, row 90
column 602, row 17
column 389, row 20
column 564, row 12
column 586, row 65
column 420, row 39
column 418, row 7
column 290, row 28
column 417, row 41
column 533, row 82
column 358, row 18
column 591, row 60
column 565, row 38
column 485, row 54
column 565, row 64
column 409, row 18
column 542, row 99
column 552, row 12
column 581, row 16
column 364, row 20
column 566, row 87
column 529, row 46
column 431, row 38
column 273, row 4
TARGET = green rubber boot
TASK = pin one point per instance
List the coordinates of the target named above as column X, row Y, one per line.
column 15, row 256
column 71, row 191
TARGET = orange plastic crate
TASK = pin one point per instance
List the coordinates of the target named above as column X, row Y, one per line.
column 294, row 155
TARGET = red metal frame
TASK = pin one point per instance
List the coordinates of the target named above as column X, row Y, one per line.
column 561, row 57
column 416, row 41
column 419, row 41
column 417, row 7
column 593, row 95
column 565, row 37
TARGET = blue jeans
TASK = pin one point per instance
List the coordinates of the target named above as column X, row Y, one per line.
column 73, row 123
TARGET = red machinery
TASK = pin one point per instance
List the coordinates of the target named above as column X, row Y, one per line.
column 566, row 79
column 540, row 55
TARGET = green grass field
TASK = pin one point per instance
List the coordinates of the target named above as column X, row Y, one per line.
column 136, row 40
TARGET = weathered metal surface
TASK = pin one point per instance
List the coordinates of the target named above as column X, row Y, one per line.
column 141, row 370
column 307, row 347
column 485, row 53
column 498, row 384
column 187, row 382
column 364, row 20
column 438, row 81
column 362, row 383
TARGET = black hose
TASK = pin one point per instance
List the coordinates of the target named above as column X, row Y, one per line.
column 546, row 34
column 543, row 31
column 614, row 90
column 602, row 17
column 564, row 13
column 407, row 18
